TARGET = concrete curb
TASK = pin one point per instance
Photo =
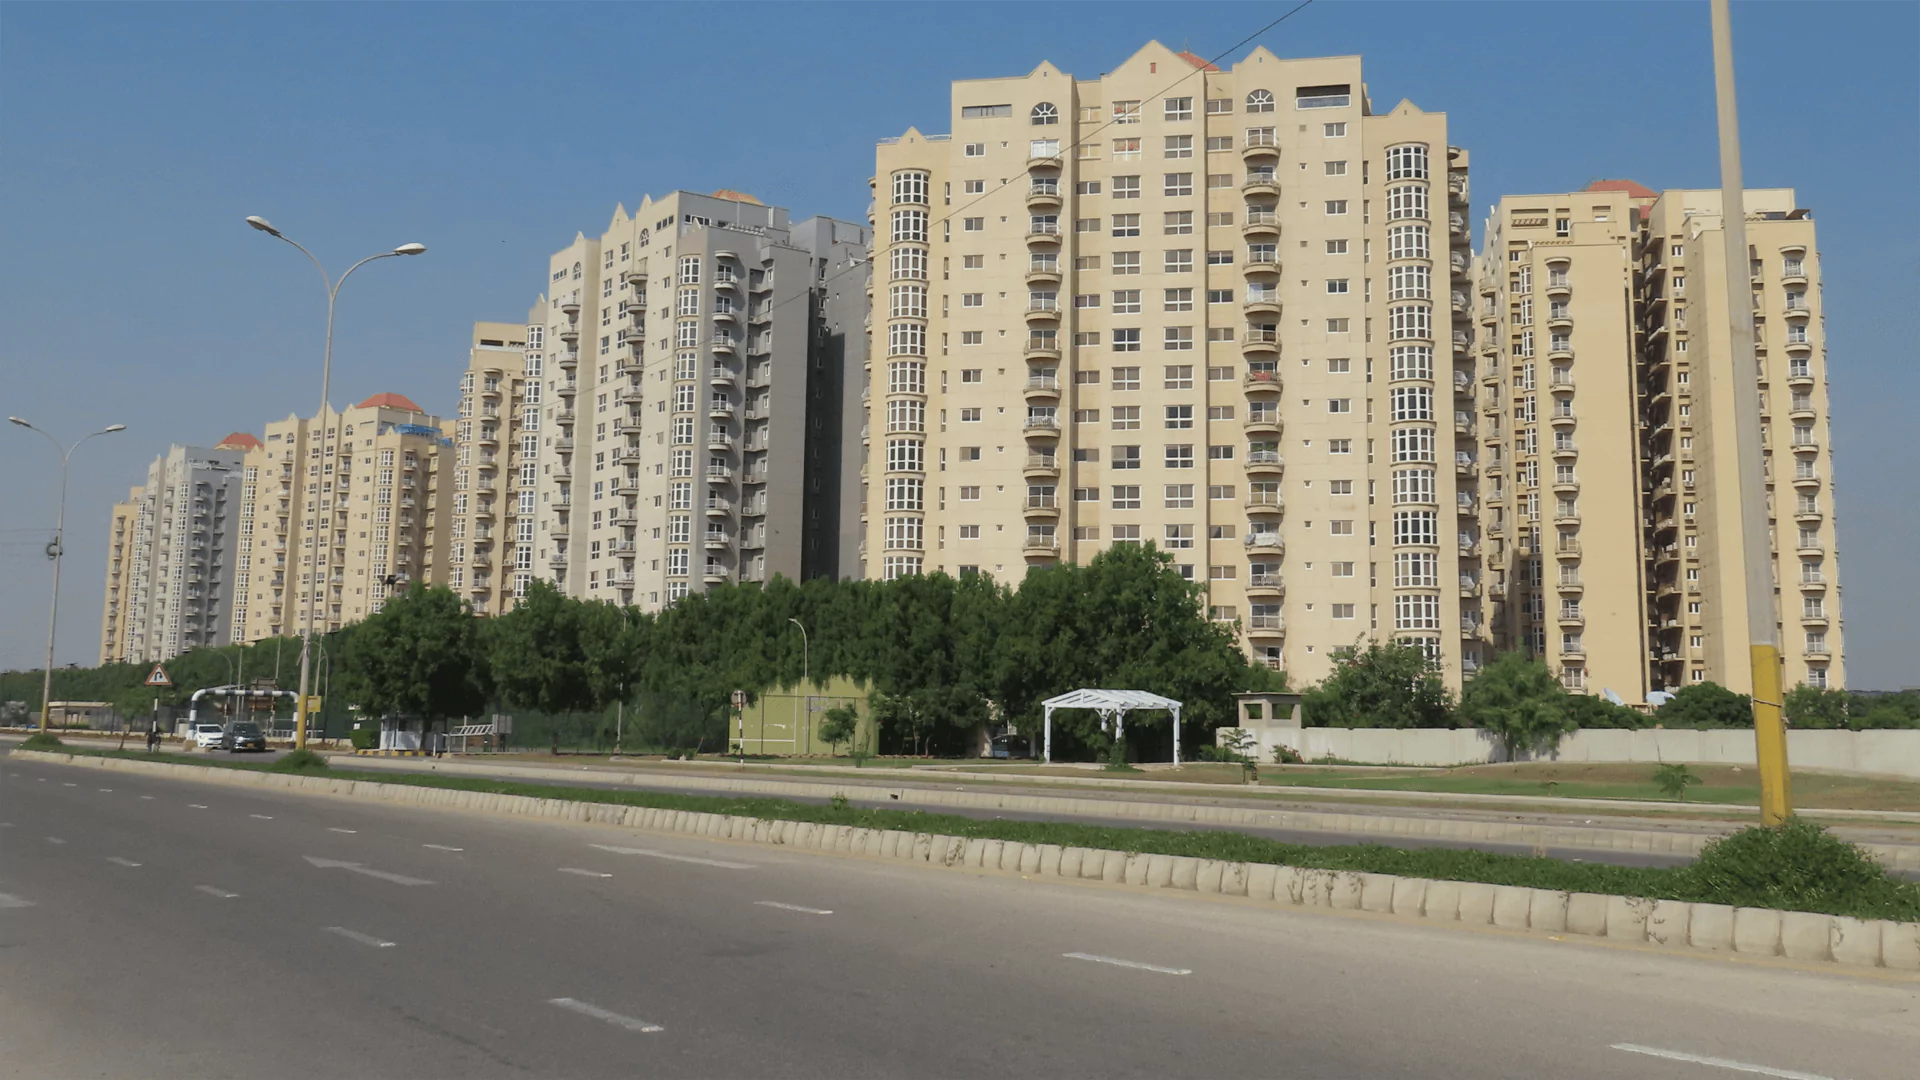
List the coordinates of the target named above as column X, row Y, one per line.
column 1665, row 924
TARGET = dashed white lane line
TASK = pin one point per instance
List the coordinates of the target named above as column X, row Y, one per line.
column 332, row 829
column 362, row 868
column 1135, row 964
column 107, row 789
column 442, row 847
column 599, row 1013
column 651, row 854
column 196, row 806
column 1719, row 1063
column 149, row 798
column 69, row 785
column 355, row 935
column 118, row 861
column 221, row 893
column 55, row 840
column 582, row 873
column 8, row 900
column 262, row 817
column 792, row 907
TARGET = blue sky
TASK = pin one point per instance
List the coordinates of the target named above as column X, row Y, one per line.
column 134, row 139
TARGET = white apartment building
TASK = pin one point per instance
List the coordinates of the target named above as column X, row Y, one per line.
column 490, row 530
column 1210, row 309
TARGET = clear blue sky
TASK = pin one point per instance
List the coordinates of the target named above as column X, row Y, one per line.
column 134, row 139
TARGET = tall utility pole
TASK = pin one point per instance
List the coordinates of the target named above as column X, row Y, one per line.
column 1769, row 728
column 325, row 499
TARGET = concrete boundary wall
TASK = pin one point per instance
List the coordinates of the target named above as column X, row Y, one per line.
column 1869, row 753
column 1665, row 924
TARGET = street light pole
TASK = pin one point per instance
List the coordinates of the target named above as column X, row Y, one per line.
column 57, row 551
column 323, row 508
column 1769, row 729
column 806, row 697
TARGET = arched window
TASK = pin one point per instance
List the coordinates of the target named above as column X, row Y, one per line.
column 645, row 236
column 1045, row 113
column 1260, row 101
column 576, row 271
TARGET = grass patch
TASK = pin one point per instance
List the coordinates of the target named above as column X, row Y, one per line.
column 41, row 740
column 304, row 762
column 1797, row 867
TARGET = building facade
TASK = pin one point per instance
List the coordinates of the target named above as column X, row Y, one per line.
column 337, row 511
column 171, row 555
column 692, row 408
column 1215, row 310
column 490, row 526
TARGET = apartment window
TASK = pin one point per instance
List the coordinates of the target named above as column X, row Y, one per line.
column 1086, row 494
column 1178, row 300
column 1219, row 106
column 1336, row 168
column 1124, row 457
column 975, row 149
column 971, row 375
column 1086, row 225
column 969, row 453
column 1340, row 405
column 1126, row 263
column 1178, row 146
column 971, row 337
column 1219, row 180
column 973, row 224
column 967, row 416
column 1125, row 417
column 1179, row 416
column 1410, row 281
column 1414, row 444
column 1178, row 223
column 1126, row 224
column 1407, row 162
column 1177, row 339
column 1260, row 101
column 973, row 187
column 1406, row 201
column 1126, row 340
column 1179, row 456
column 1086, row 338
column 1126, row 378
column 1336, row 207
column 1336, row 247
column 1178, row 183
column 1044, row 114
column 1339, row 446
column 1126, row 496
column 1219, row 143
column 1126, row 187
column 1179, row 261
column 1179, row 377
column 1179, row 536
column 1126, row 149
column 1336, row 286
column 1086, row 187
column 1408, row 242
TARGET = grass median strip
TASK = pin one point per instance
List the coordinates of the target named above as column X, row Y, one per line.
column 1799, row 868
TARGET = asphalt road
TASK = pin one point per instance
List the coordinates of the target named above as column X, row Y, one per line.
column 159, row 928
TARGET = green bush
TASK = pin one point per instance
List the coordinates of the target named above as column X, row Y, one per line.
column 41, row 740
column 300, row 761
column 1673, row 779
column 365, row 738
column 1799, row 866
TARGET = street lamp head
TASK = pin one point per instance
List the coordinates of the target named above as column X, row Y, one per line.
column 262, row 224
column 111, row 428
column 410, row 249
column 17, row 420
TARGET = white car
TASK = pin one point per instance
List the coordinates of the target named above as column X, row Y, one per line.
column 207, row 736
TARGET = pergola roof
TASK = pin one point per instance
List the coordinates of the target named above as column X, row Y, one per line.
column 1118, row 700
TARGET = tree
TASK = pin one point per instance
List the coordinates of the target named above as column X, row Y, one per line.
column 1591, row 711
column 1517, row 699
column 1877, row 711
column 838, row 725
column 1384, row 684
column 1814, row 707
column 536, row 653
column 420, row 656
column 1706, row 705
column 1673, row 780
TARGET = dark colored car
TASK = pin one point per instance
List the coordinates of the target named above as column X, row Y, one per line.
column 243, row 736
column 1010, row 746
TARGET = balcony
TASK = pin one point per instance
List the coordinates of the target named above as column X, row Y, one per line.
column 720, row 409
column 566, row 416
column 558, row 560
column 1567, row 549
column 1046, row 311
column 723, row 345
column 1041, row 427
column 1807, row 515
column 719, row 507
column 721, row 378
column 1262, row 423
column 1806, row 480
column 1042, row 387
column 1813, row 618
column 1260, row 225
column 1570, row 584
column 1041, row 467
column 1261, row 185
column 1043, row 235
column 1042, row 507
column 717, row 541
column 1572, row 616
column 1265, row 543
column 635, row 276
column 1806, row 446
column 1045, row 274
column 1813, row 583
column 1264, row 463
column 1260, row 343
column 719, row 474
column 1041, row 546
column 1266, row 626
column 631, row 396
column 1463, row 503
column 1044, row 195
column 1266, row 502
column 1800, row 379
column 570, row 305
column 719, row 441
column 1265, row 305
column 1264, row 585
column 1042, row 349
column 715, row 575
column 1262, row 264
column 1260, row 148
column 1043, row 159
column 626, row 425
column 1562, row 418
column 570, row 332
column 1565, row 451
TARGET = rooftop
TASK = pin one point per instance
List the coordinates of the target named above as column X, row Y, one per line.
column 390, row 401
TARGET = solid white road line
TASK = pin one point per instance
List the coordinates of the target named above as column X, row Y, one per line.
column 721, row 863
column 221, row 893
column 118, row 861
column 1719, row 1063
column 8, row 900
column 792, row 907
column 599, row 1013
column 262, row 817
column 1127, row 963
column 362, row 868
column 442, row 847
column 355, row 935
column 582, row 873
column 332, row 829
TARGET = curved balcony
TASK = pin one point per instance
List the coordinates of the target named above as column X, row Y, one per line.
column 1559, row 289
column 1261, row 266
column 1042, row 508
column 1565, row 453
column 1041, row 467
column 566, row 416
column 1260, row 148
column 1266, row 627
column 1265, row 463
column 1043, row 313
column 1046, row 236
column 1261, row 381
column 1043, row 275
column 719, row 508
column 1260, row 225
column 1572, row 617
column 722, row 378
column 1260, row 343
column 1043, row 196
column 1567, row 550
column 1041, row 547
column 724, row 346
column 1041, row 427
column 1265, row 543
column 1561, row 419
column 1042, row 388
column 728, row 317
column 720, row 410
column 1261, row 185
column 567, row 390
column 1042, row 161
column 1035, row 351
column 1264, row 306
column 1262, row 423
column 1265, row 586
column 626, row 425
column 1806, row 446
column 570, row 305
column 1806, row 481
column 1265, row 502
column 569, row 332
column 719, row 441
column 1801, row 412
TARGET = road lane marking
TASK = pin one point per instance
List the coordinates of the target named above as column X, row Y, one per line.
column 599, row 1013
column 792, row 907
column 332, row 829
column 1135, row 964
column 442, row 847
column 362, row 868
column 1719, row 1063
column 6, row 824
column 118, row 861
column 8, row 900
column 651, row 854
column 221, row 893
column 106, row 789
column 355, row 935
column 148, row 797
column 262, row 817
column 69, row 785
column 196, row 806
column 582, row 873
column 55, row 840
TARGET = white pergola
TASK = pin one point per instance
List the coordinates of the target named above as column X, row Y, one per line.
column 1113, row 707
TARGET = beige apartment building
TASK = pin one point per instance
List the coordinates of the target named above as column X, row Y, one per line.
column 1607, row 464
column 491, row 520
column 354, row 500
column 1215, row 310
column 1694, row 556
column 116, row 608
column 694, row 401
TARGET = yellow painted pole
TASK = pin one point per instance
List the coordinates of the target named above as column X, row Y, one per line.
column 1770, row 737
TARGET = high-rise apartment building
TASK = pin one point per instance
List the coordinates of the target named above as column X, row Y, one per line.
column 1216, row 310
column 171, row 555
column 692, row 412
column 1607, row 468
column 490, row 530
column 355, row 500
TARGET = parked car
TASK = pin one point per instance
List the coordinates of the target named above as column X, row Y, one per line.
column 243, row 735
column 208, row 736
column 1010, row 746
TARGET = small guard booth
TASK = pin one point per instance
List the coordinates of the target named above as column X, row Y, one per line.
column 1113, row 707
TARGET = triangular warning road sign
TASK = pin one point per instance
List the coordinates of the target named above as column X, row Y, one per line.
column 158, row 677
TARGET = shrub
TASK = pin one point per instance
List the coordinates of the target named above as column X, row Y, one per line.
column 1799, row 866
column 41, row 740
column 1706, row 705
column 1286, row 755
column 365, row 738
column 1672, row 779
column 301, row 761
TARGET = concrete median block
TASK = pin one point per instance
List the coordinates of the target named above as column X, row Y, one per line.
column 1093, row 866
column 1805, row 935
column 1376, row 892
column 1031, row 856
column 1756, row 931
column 1310, row 888
column 990, row 851
column 1853, row 941
column 1409, row 895
column 1071, row 860
column 1186, row 873
column 1548, row 912
column 1347, row 886
column 1710, row 927
column 1131, row 868
column 803, row 833
column 1207, row 879
column 1476, row 903
column 1627, row 918
column 1511, row 905
column 970, row 855
column 1261, row 879
column 1159, row 872
column 956, row 852
column 1441, row 901
column 1587, row 914
column 1049, row 860
column 922, row 849
column 1669, row 923
column 1233, row 878
column 1011, row 855
column 1900, row 945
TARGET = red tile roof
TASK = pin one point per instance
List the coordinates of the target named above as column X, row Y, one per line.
column 737, row 196
column 239, row 440
column 1638, row 191
column 390, row 401
column 1196, row 61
